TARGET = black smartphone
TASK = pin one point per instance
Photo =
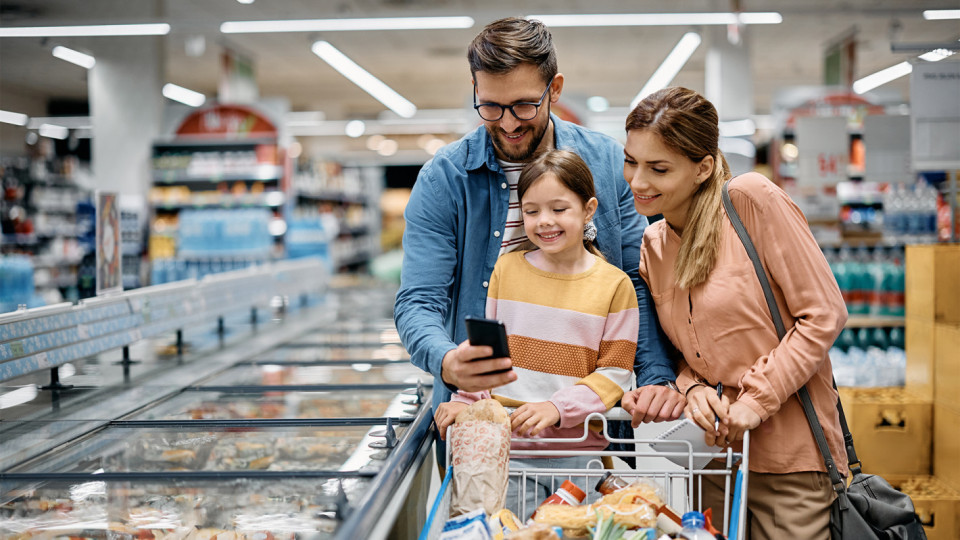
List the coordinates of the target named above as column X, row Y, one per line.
column 488, row 332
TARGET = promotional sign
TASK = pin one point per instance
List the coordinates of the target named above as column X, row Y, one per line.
column 109, row 276
column 935, row 115
column 886, row 140
column 824, row 150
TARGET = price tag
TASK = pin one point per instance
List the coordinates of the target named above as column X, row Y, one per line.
column 82, row 332
column 16, row 348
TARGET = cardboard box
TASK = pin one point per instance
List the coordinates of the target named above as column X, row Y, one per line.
column 936, row 503
column 892, row 430
column 920, row 336
column 946, row 445
column 946, row 365
column 933, row 283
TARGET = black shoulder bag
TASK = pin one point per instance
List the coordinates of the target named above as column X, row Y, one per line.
column 870, row 507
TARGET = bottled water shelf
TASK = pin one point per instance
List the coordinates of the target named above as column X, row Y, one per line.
column 868, row 321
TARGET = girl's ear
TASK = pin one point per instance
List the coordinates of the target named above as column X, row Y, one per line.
column 590, row 208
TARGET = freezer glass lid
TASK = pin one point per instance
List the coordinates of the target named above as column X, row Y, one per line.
column 368, row 337
column 276, row 508
column 313, row 352
column 357, row 403
column 184, row 448
column 358, row 373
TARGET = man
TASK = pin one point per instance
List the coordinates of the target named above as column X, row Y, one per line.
column 463, row 214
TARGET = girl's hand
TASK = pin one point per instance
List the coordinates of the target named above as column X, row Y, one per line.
column 445, row 414
column 740, row 419
column 703, row 408
column 531, row 418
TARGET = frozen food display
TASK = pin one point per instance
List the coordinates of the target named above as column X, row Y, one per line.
column 181, row 509
column 311, row 353
column 200, row 405
column 180, row 448
column 359, row 373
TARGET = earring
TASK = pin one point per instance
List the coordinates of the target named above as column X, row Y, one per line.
column 590, row 231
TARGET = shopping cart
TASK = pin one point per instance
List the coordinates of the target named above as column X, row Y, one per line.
column 677, row 484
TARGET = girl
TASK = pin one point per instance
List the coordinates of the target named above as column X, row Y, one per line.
column 571, row 319
column 711, row 306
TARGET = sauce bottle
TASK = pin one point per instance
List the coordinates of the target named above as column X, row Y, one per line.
column 568, row 493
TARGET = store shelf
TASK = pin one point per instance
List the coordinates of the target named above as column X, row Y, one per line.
column 269, row 199
column 871, row 321
column 333, row 196
column 263, row 173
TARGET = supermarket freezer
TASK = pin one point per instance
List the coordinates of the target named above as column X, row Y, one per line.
column 257, row 443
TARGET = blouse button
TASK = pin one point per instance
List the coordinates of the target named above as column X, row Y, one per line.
column 496, row 233
column 690, row 321
column 698, row 355
column 486, row 284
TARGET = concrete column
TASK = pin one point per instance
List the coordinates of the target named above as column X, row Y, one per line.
column 729, row 83
column 126, row 109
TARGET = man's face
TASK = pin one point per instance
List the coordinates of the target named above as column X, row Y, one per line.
column 516, row 140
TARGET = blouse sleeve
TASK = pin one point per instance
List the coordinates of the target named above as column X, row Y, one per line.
column 797, row 267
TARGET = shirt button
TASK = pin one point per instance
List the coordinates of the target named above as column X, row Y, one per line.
column 485, row 284
column 503, row 185
column 690, row 321
column 698, row 355
column 496, row 233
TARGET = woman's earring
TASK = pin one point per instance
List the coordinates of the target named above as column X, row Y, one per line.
column 590, row 231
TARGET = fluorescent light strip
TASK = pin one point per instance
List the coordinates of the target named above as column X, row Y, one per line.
column 658, row 19
column 864, row 85
column 343, row 25
column 941, row 14
column 17, row 119
column 671, row 65
column 54, row 131
column 74, row 57
column 160, row 29
column 936, row 55
column 362, row 78
column 183, row 95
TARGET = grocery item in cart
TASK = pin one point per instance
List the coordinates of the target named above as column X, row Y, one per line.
column 575, row 519
column 480, row 456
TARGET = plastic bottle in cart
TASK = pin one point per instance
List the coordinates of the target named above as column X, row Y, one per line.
column 568, row 493
column 694, row 527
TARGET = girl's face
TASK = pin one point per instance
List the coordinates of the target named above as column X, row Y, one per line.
column 554, row 216
column 662, row 180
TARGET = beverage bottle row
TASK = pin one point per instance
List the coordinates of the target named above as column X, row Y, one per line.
column 871, row 283
column 234, row 233
column 16, row 283
column 910, row 212
column 869, row 357
column 168, row 270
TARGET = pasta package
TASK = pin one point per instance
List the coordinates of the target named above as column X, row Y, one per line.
column 480, row 456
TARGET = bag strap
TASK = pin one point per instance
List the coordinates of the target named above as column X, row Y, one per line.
column 802, row 393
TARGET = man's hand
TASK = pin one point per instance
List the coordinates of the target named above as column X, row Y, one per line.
column 653, row 403
column 445, row 414
column 531, row 418
column 462, row 369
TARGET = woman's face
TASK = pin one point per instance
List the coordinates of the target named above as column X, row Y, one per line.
column 662, row 180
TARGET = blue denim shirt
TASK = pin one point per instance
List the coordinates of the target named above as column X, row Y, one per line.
column 458, row 202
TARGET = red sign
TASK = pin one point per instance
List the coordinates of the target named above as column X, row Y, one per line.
column 227, row 122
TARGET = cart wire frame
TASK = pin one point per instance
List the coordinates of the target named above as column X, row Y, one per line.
column 677, row 484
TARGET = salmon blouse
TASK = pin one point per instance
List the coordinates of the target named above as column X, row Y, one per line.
column 724, row 331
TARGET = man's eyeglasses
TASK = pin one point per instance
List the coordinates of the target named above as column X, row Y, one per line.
column 524, row 110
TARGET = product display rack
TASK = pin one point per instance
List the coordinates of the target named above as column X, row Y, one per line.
column 240, row 437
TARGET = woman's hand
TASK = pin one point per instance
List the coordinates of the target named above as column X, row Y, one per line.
column 703, row 408
column 739, row 419
column 531, row 418
column 445, row 414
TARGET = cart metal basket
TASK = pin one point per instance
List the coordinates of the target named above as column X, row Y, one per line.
column 678, row 485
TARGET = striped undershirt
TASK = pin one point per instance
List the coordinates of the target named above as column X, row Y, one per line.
column 513, row 233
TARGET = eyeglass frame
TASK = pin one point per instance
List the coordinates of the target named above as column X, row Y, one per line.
column 503, row 108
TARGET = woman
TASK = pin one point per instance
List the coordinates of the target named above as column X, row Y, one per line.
column 711, row 306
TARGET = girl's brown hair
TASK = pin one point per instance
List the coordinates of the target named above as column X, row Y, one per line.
column 688, row 124
column 570, row 170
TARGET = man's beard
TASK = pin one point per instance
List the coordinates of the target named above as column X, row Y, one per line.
column 526, row 152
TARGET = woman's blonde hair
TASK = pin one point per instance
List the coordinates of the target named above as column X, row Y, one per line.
column 570, row 170
column 688, row 124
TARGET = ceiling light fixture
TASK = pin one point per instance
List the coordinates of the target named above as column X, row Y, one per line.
column 864, row 85
column 345, row 25
column 74, row 57
column 936, row 55
column 354, row 128
column 159, row 29
column 671, row 65
column 362, row 78
column 54, row 131
column 659, row 19
column 941, row 14
column 183, row 95
column 17, row 119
